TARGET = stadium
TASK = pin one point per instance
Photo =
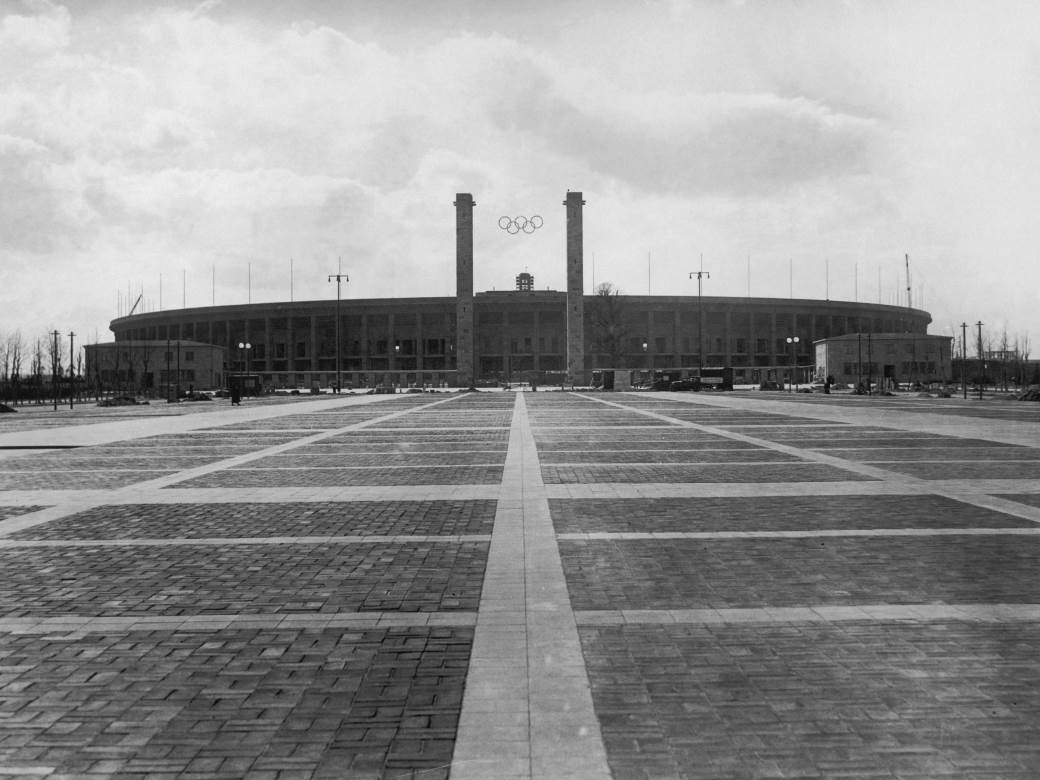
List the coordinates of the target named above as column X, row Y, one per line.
column 543, row 337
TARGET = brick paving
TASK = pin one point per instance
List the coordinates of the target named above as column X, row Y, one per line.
column 714, row 473
column 247, row 476
column 535, row 585
column 769, row 513
column 283, row 519
column 873, row 699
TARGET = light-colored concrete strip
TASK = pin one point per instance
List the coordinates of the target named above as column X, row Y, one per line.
column 630, row 536
column 527, row 710
column 976, row 613
column 9, row 544
column 79, row 625
column 973, row 488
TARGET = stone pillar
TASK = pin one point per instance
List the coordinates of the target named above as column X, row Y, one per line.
column 575, row 291
column 464, row 288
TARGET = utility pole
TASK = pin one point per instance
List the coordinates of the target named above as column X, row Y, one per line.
column 870, row 365
column 72, row 369
column 982, row 365
column 168, row 366
column 339, row 277
column 964, row 359
column 859, row 360
column 54, row 370
column 700, row 316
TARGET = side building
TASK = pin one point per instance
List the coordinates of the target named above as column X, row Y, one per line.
column 885, row 360
column 154, row 366
column 517, row 335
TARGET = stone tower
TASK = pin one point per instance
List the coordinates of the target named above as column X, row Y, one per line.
column 464, row 288
column 575, row 291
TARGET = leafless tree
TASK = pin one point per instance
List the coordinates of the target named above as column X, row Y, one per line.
column 55, row 347
column 1024, row 371
column 37, row 366
column 611, row 325
column 15, row 354
column 1004, row 346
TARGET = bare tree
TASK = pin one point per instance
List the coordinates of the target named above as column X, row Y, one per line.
column 1004, row 347
column 37, row 367
column 15, row 355
column 55, row 355
column 5, row 367
column 611, row 325
column 1022, row 348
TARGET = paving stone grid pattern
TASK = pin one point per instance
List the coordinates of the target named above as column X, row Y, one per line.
column 501, row 585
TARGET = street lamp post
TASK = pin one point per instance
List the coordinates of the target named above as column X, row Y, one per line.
column 793, row 341
column 700, row 318
column 397, row 367
column 339, row 279
column 243, row 356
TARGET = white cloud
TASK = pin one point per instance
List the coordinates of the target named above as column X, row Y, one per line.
column 32, row 35
column 179, row 136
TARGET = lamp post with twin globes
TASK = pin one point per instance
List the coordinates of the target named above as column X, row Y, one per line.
column 793, row 341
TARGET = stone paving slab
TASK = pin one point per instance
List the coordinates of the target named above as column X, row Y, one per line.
column 205, row 520
column 297, row 459
column 1029, row 499
column 722, row 455
column 241, row 579
column 937, row 453
column 87, row 461
column 758, row 513
column 366, row 445
column 783, row 572
column 327, row 703
column 88, row 479
column 862, row 699
column 375, row 435
column 677, row 441
column 671, row 472
column 221, row 437
column 304, row 477
column 988, row 469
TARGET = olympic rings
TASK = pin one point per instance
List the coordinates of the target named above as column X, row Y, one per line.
column 513, row 225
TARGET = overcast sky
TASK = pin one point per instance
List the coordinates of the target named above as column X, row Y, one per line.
column 799, row 147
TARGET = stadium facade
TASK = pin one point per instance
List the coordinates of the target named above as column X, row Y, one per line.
column 542, row 336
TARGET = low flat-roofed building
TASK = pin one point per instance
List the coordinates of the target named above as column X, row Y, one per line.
column 154, row 365
column 885, row 359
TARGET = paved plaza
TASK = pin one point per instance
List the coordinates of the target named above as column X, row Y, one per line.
column 499, row 585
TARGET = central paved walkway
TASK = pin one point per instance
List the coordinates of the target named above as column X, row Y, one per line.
column 541, row 585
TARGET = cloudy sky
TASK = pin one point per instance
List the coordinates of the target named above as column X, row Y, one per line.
column 242, row 149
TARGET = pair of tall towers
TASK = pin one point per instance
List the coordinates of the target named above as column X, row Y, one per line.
column 464, row 324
